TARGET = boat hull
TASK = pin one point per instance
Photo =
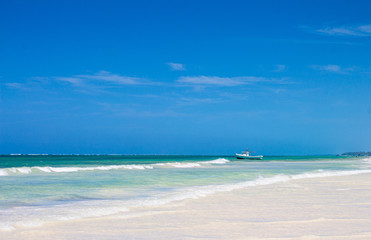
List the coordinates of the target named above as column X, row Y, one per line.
column 249, row 157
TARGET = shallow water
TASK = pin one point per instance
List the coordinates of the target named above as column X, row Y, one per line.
column 43, row 188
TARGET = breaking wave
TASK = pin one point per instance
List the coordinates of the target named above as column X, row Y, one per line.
column 28, row 170
column 48, row 169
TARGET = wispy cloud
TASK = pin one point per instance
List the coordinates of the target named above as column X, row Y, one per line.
column 328, row 68
column 226, row 81
column 135, row 111
column 280, row 68
column 102, row 76
column 33, row 83
column 72, row 80
column 188, row 101
column 18, row 86
column 333, row 69
column 219, row 81
column 101, row 81
column 176, row 66
column 94, row 83
column 361, row 30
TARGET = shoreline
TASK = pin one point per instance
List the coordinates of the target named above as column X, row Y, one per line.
column 336, row 207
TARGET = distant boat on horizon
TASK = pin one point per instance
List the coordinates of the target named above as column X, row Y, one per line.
column 246, row 155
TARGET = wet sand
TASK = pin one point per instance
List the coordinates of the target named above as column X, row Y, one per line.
column 314, row 208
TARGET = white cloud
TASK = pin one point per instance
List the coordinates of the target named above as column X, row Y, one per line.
column 365, row 28
column 28, row 85
column 176, row 66
column 280, row 68
column 14, row 85
column 362, row 30
column 221, row 81
column 333, row 68
column 187, row 101
column 73, row 80
column 102, row 76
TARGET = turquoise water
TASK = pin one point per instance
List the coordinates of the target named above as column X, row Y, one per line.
column 36, row 189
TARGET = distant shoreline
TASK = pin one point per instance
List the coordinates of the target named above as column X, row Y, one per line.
column 356, row 154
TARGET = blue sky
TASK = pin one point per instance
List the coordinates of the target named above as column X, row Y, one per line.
column 185, row 77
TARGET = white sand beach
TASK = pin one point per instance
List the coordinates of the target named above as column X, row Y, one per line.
column 315, row 208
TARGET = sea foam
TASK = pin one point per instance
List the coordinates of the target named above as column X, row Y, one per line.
column 3, row 172
column 192, row 164
column 218, row 161
column 48, row 169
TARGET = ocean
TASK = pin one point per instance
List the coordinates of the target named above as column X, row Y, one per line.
column 40, row 189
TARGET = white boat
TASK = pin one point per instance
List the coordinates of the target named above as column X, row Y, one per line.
column 246, row 155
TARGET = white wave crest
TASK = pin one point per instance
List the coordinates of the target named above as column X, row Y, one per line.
column 218, row 161
column 192, row 164
column 23, row 170
column 48, row 169
column 184, row 165
column 28, row 170
column 3, row 172
column 322, row 173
